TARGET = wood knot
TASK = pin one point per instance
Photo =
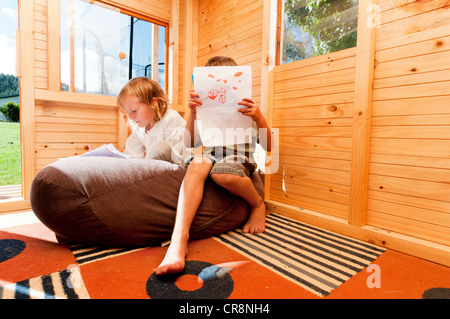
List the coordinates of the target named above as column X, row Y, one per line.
column 333, row 108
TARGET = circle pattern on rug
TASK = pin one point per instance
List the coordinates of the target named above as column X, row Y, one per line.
column 10, row 248
column 164, row 287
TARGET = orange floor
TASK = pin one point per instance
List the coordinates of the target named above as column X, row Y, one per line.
column 30, row 253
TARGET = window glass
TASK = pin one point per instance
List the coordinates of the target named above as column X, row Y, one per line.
column 316, row 27
column 102, row 48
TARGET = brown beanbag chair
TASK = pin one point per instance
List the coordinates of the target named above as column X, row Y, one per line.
column 119, row 202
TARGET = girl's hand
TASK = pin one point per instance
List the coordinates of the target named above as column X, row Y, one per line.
column 251, row 109
column 193, row 102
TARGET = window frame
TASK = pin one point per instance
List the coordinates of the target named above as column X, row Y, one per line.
column 55, row 46
column 279, row 34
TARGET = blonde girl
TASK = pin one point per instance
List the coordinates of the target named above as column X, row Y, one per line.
column 157, row 130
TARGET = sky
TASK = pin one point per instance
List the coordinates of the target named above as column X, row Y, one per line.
column 8, row 26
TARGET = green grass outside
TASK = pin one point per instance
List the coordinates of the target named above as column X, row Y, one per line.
column 10, row 153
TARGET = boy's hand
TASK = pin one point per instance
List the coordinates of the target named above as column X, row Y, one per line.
column 251, row 109
column 193, row 102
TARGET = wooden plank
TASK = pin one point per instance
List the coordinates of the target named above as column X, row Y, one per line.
column 413, row 79
column 420, row 36
column 418, row 161
column 416, row 131
column 300, row 70
column 432, row 232
column 305, row 202
column 418, row 173
column 412, row 65
column 174, row 47
column 63, row 112
column 315, row 131
column 64, row 127
column 65, row 146
column 407, row 212
column 335, row 164
column 289, row 171
column 16, row 204
column 121, row 130
column 411, row 147
column 74, row 120
column 301, row 192
column 27, row 113
column 155, row 52
column 51, row 137
column 410, row 201
column 70, row 98
column 414, row 24
column 410, row 187
column 331, row 59
column 412, row 91
column 315, row 81
column 319, row 143
column 312, row 180
column 54, row 50
column 154, row 9
column 412, row 106
column 191, row 49
column 430, row 45
column 333, row 99
column 362, row 115
column 410, row 9
column 314, row 92
column 317, row 153
column 335, row 122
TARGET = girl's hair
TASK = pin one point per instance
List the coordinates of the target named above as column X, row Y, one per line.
column 146, row 90
column 221, row 61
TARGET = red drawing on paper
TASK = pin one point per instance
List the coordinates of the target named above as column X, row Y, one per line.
column 222, row 97
column 213, row 94
column 221, row 93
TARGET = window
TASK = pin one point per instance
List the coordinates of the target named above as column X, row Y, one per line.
column 102, row 48
column 315, row 27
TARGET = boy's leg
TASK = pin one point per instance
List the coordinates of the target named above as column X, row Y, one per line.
column 243, row 187
column 191, row 194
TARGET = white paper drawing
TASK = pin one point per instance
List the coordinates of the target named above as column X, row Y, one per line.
column 220, row 89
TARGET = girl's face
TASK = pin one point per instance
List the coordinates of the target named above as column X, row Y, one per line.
column 138, row 112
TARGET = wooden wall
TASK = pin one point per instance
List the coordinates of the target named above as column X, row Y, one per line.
column 313, row 110
column 407, row 200
column 409, row 182
column 234, row 29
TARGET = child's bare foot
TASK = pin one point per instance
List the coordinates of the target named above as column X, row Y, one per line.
column 256, row 223
column 174, row 260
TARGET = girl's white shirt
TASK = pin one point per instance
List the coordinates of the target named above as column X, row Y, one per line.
column 169, row 129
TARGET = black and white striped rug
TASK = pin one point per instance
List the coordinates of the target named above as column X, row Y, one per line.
column 86, row 254
column 65, row 284
column 316, row 259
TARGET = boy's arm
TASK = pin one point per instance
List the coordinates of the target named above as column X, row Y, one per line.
column 191, row 139
column 254, row 112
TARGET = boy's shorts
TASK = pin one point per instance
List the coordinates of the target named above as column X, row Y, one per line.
column 236, row 164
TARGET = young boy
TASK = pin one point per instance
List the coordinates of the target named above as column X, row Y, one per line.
column 228, row 168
